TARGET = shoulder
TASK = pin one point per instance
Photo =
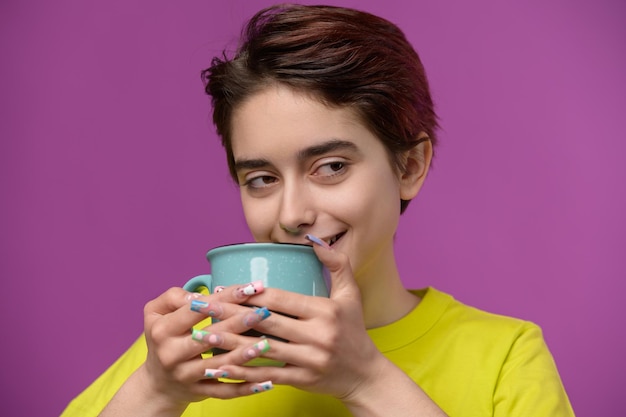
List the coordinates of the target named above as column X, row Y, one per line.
column 504, row 360
column 453, row 319
column 449, row 309
column 500, row 348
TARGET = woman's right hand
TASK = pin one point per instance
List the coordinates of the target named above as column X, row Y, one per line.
column 174, row 373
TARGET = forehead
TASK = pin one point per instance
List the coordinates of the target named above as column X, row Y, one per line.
column 279, row 118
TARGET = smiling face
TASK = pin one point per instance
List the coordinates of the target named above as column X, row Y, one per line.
column 304, row 167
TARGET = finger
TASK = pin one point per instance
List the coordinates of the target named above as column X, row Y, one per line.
column 171, row 300
column 300, row 329
column 189, row 370
column 301, row 356
column 224, row 303
column 239, row 293
column 229, row 390
column 163, row 321
column 289, row 303
column 245, row 353
column 172, row 337
column 177, row 349
column 166, row 303
column 342, row 280
column 287, row 375
column 223, row 336
column 178, row 310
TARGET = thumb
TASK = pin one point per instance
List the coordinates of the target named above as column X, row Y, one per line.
column 342, row 282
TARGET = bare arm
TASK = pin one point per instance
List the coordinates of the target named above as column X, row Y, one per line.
column 330, row 352
column 391, row 393
column 174, row 373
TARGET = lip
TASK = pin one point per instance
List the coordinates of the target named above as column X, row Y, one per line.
column 329, row 238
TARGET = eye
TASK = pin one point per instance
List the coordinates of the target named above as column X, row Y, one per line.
column 259, row 182
column 331, row 169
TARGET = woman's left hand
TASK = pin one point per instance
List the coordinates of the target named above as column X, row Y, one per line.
column 329, row 350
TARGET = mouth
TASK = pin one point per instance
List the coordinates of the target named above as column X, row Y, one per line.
column 334, row 239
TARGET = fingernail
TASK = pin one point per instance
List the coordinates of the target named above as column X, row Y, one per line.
column 250, row 289
column 199, row 335
column 317, row 241
column 256, row 316
column 192, row 295
column 206, row 337
column 262, row 386
column 215, row 373
column 257, row 349
column 210, row 309
column 218, row 289
column 197, row 305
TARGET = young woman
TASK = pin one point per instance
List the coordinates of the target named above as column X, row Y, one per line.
column 329, row 129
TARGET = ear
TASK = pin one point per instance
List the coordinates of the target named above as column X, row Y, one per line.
column 416, row 165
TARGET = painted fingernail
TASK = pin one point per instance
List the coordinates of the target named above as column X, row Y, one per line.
column 199, row 335
column 219, row 289
column 257, row 349
column 252, row 288
column 215, row 373
column 257, row 315
column 317, row 241
column 197, row 305
column 210, row 309
column 206, row 337
column 262, row 387
column 192, row 295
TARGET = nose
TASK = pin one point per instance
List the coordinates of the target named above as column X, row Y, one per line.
column 297, row 212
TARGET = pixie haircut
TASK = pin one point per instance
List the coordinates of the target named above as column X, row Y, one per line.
column 342, row 57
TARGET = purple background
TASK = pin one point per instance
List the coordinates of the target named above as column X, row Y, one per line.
column 114, row 185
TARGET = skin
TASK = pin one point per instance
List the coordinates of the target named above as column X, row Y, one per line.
column 303, row 167
column 323, row 194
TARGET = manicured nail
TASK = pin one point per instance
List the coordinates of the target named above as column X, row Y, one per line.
column 256, row 316
column 197, row 305
column 192, row 296
column 317, row 241
column 219, row 289
column 199, row 335
column 215, row 373
column 257, row 349
column 252, row 288
column 210, row 309
column 206, row 337
column 262, row 387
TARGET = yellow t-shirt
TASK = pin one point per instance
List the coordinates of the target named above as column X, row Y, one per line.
column 471, row 363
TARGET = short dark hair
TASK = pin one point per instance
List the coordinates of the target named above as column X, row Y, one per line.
column 343, row 57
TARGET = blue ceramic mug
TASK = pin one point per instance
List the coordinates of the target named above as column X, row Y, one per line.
column 286, row 266
column 290, row 267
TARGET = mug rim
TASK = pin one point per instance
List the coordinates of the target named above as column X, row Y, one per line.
column 259, row 245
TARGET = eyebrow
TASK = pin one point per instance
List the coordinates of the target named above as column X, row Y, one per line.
column 304, row 154
column 326, row 147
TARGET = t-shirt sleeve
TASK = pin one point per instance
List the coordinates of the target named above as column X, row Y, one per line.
column 529, row 383
column 93, row 399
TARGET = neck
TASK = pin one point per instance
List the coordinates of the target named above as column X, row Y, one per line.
column 383, row 295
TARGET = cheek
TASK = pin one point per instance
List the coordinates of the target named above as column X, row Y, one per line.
column 258, row 216
column 378, row 202
column 380, row 190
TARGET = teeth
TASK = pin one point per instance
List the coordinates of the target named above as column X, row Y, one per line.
column 335, row 238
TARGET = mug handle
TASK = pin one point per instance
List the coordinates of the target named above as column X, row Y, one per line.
column 201, row 284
